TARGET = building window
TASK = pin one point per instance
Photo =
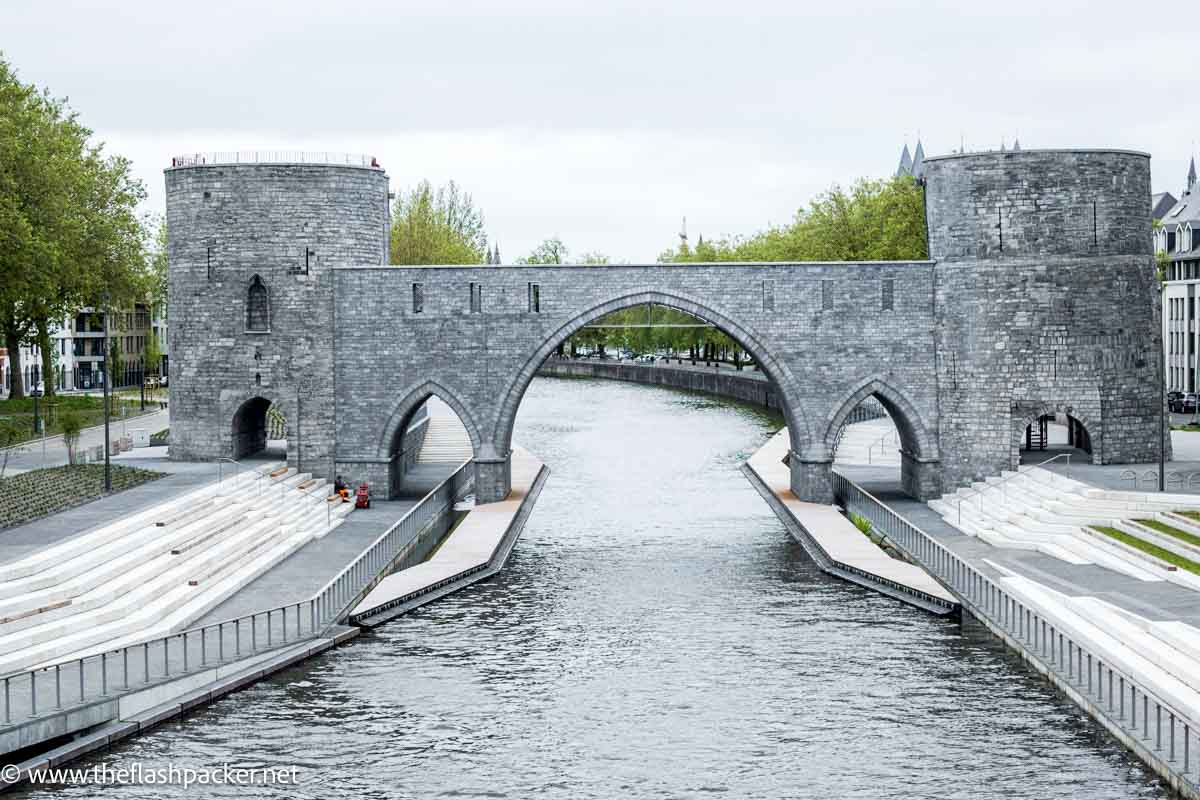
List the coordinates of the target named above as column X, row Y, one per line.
column 1170, row 241
column 888, row 298
column 535, row 298
column 418, row 298
column 826, row 295
column 768, row 295
column 476, row 298
column 258, row 306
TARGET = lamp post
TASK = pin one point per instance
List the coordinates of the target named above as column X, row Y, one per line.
column 105, row 376
column 1162, row 391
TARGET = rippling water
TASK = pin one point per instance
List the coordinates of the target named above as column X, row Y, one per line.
column 656, row 634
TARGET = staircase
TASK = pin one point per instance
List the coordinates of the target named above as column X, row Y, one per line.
column 159, row 569
column 446, row 440
column 1040, row 510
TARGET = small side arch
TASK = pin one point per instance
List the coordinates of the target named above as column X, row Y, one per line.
column 915, row 436
column 1026, row 414
column 409, row 402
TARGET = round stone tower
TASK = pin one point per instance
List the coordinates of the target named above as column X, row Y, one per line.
column 252, row 239
column 1047, row 305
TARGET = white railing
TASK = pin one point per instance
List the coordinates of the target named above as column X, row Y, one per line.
column 275, row 157
column 49, row 690
column 1150, row 721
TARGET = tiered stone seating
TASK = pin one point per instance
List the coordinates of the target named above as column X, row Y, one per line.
column 1040, row 510
column 159, row 569
column 1163, row 654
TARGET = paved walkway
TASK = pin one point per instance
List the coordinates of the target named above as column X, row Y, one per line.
column 1157, row 600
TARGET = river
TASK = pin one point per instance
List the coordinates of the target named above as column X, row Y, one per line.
column 656, row 634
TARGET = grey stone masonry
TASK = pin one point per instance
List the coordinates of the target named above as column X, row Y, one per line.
column 1046, row 301
column 1040, row 299
column 289, row 224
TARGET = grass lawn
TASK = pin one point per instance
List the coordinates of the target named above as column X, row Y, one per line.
column 1191, row 426
column 91, row 409
column 1190, row 514
column 1169, row 530
column 1150, row 549
column 41, row 492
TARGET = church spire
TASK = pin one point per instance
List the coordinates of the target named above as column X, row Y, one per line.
column 906, row 163
column 918, row 162
column 1192, row 174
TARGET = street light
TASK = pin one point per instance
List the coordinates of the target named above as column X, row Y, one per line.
column 105, row 378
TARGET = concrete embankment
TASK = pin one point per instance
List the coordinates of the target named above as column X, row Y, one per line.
column 834, row 543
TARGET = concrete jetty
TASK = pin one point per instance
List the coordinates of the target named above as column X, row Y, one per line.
column 834, row 543
column 475, row 549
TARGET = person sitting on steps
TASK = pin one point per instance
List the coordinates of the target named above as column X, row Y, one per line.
column 340, row 488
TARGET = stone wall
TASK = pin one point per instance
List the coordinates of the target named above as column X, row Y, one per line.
column 226, row 224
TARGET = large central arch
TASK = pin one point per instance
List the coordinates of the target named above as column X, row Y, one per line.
column 751, row 341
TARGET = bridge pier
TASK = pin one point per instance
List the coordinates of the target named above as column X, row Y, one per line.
column 493, row 478
column 921, row 478
column 812, row 477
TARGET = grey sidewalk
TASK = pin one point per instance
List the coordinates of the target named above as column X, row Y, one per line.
column 53, row 453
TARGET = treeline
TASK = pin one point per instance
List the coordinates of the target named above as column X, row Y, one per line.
column 70, row 235
column 875, row 220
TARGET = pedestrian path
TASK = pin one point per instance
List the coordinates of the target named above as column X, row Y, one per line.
column 834, row 542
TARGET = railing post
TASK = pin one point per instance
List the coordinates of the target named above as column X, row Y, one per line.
column 33, row 693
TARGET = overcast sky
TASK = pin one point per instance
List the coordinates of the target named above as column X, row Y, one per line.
column 607, row 122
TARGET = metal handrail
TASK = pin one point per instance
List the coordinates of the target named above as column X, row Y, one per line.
column 195, row 647
column 1004, row 481
column 275, row 157
column 880, row 441
column 991, row 602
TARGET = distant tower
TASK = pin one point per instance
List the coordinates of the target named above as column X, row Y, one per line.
column 918, row 162
column 906, row 163
column 496, row 254
column 1016, row 145
column 1191, row 180
column 683, row 235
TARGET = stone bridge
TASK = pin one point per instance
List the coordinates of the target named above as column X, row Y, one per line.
column 1041, row 299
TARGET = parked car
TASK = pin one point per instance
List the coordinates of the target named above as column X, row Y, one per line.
column 1188, row 404
column 1173, row 400
column 162, row 381
column 38, row 389
column 150, row 382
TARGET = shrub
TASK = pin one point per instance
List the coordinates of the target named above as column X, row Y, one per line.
column 71, row 422
column 862, row 523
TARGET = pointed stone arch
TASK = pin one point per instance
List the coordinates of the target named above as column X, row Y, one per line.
column 751, row 341
column 410, row 400
column 258, row 306
column 915, row 436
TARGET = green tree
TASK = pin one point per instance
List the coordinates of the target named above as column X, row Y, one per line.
column 151, row 355
column 550, row 251
column 116, row 366
column 68, row 228
column 875, row 220
column 440, row 226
